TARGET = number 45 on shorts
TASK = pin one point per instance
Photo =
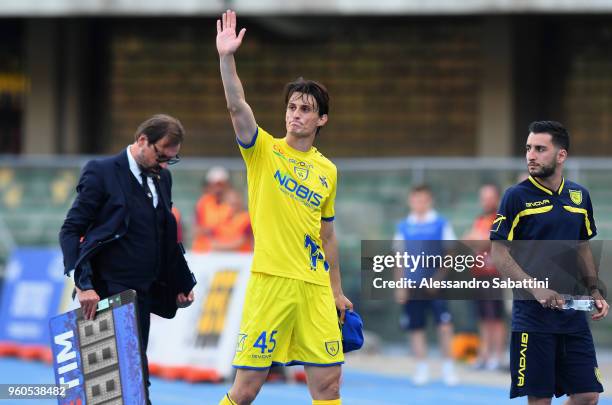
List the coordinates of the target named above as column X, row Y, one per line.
column 264, row 344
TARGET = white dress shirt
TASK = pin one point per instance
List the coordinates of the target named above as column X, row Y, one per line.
column 136, row 172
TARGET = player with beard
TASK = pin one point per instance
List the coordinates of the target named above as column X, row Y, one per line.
column 552, row 351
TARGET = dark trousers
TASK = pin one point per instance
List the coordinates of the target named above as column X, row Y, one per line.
column 106, row 289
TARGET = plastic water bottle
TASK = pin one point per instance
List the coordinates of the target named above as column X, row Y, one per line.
column 579, row 303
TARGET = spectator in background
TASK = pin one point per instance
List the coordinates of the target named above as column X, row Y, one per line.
column 235, row 234
column 490, row 308
column 424, row 230
column 179, row 224
column 211, row 210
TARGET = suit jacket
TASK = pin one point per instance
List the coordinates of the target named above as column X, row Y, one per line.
column 99, row 216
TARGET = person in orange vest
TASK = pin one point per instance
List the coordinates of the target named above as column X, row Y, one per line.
column 235, row 234
column 179, row 224
column 490, row 308
column 211, row 211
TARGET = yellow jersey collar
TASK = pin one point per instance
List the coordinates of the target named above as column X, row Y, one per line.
column 546, row 189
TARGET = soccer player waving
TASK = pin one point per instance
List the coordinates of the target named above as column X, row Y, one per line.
column 551, row 351
column 294, row 291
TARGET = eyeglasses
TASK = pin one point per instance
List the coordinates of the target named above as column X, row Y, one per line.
column 165, row 159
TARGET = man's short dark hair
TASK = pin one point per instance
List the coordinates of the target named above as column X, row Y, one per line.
column 315, row 89
column 159, row 126
column 560, row 136
column 421, row 188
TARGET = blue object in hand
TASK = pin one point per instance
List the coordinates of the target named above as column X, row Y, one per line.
column 352, row 332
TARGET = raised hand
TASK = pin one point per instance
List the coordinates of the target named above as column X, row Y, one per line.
column 227, row 40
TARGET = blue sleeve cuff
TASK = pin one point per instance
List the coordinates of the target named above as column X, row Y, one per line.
column 327, row 219
column 247, row 146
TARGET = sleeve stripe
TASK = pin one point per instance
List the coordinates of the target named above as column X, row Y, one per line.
column 528, row 211
column 499, row 219
column 247, row 146
column 328, row 219
column 587, row 223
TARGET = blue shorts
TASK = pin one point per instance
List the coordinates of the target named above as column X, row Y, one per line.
column 490, row 310
column 547, row 364
column 415, row 313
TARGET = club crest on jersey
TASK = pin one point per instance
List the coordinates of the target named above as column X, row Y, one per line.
column 332, row 347
column 301, row 172
column 576, row 196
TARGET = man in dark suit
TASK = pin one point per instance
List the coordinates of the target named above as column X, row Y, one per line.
column 120, row 233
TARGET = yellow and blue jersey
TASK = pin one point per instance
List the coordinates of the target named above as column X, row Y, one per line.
column 290, row 193
column 530, row 211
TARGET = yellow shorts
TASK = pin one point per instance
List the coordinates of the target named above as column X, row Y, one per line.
column 287, row 322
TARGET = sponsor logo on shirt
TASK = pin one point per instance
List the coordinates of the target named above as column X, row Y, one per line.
column 297, row 191
column 534, row 204
column 278, row 151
